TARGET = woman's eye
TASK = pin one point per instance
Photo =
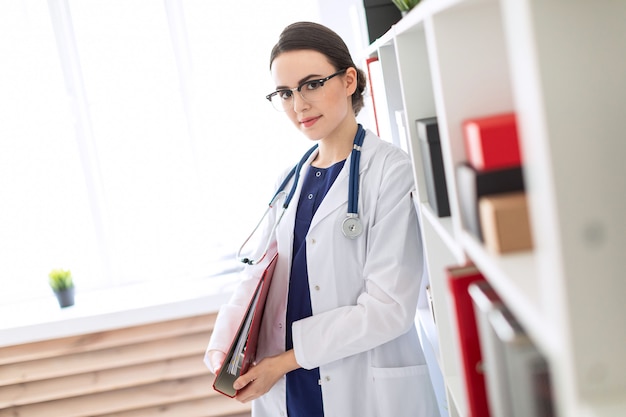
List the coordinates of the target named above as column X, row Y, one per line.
column 285, row 94
column 314, row 85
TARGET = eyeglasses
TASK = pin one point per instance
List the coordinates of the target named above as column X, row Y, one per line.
column 310, row 91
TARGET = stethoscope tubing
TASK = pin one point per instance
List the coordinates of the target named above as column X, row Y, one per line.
column 353, row 187
column 353, row 195
column 295, row 171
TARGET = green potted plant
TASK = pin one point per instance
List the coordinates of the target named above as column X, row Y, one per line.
column 405, row 5
column 62, row 284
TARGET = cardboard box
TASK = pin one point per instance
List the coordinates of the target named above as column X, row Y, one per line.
column 505, row 222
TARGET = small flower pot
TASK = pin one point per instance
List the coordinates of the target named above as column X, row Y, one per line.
column 65, row 297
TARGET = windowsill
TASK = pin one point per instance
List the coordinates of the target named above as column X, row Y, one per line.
column 42, row 319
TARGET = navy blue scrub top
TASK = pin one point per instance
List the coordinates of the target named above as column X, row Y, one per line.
column 304, row 393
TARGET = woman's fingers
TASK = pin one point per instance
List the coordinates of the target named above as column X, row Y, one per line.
column 261, row 377
column 257, row 381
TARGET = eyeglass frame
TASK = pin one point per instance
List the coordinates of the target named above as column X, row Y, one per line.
column 299, row 88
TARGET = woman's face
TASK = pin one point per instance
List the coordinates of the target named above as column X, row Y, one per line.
column 317, row 119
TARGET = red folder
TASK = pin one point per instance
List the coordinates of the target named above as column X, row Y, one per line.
column 369, row 63
column 491, row 142
column 459, row 280
column 242, row 351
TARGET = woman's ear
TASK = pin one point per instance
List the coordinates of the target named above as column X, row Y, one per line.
column 351, row 80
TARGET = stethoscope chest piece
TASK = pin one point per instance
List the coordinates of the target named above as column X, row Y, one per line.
column 352, row 227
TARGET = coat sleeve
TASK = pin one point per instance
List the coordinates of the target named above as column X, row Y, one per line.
column 391, row 272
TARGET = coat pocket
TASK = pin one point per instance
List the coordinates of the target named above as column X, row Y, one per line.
column 405, row 391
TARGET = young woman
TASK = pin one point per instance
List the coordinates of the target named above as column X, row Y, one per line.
column 338, row 335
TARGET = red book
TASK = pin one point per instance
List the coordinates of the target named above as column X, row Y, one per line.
column 491, row 142
column 459, row 280
column 370, row 62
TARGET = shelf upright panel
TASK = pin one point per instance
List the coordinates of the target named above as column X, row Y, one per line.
column 387, row 58
column 416, row 93
column 569, row 66
column 439, row 257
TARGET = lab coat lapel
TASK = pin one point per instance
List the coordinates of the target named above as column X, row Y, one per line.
column 338, row 193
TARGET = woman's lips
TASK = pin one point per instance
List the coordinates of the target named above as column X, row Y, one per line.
column 309, row 121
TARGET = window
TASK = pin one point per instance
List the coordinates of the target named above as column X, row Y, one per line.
column 130, row 137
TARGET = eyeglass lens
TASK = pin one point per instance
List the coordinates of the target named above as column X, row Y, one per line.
column 311, row 91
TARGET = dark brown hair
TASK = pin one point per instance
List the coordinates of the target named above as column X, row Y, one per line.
column 316, row 37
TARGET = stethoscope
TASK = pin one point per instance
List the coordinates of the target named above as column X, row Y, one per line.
column 351, row 225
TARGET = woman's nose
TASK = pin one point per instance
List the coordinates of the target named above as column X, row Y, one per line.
column 299, row 103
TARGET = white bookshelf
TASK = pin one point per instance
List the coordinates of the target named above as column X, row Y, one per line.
column 560, row 67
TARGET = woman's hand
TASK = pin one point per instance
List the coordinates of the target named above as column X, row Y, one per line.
column 261, row 377
column 216, row 359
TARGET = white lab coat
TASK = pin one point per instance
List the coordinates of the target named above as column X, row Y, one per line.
column 363, row 295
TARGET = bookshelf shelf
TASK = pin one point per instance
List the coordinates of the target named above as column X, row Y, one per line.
column 444, row 228
column 517, row 270
column 514, row 277
column 558, row 66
